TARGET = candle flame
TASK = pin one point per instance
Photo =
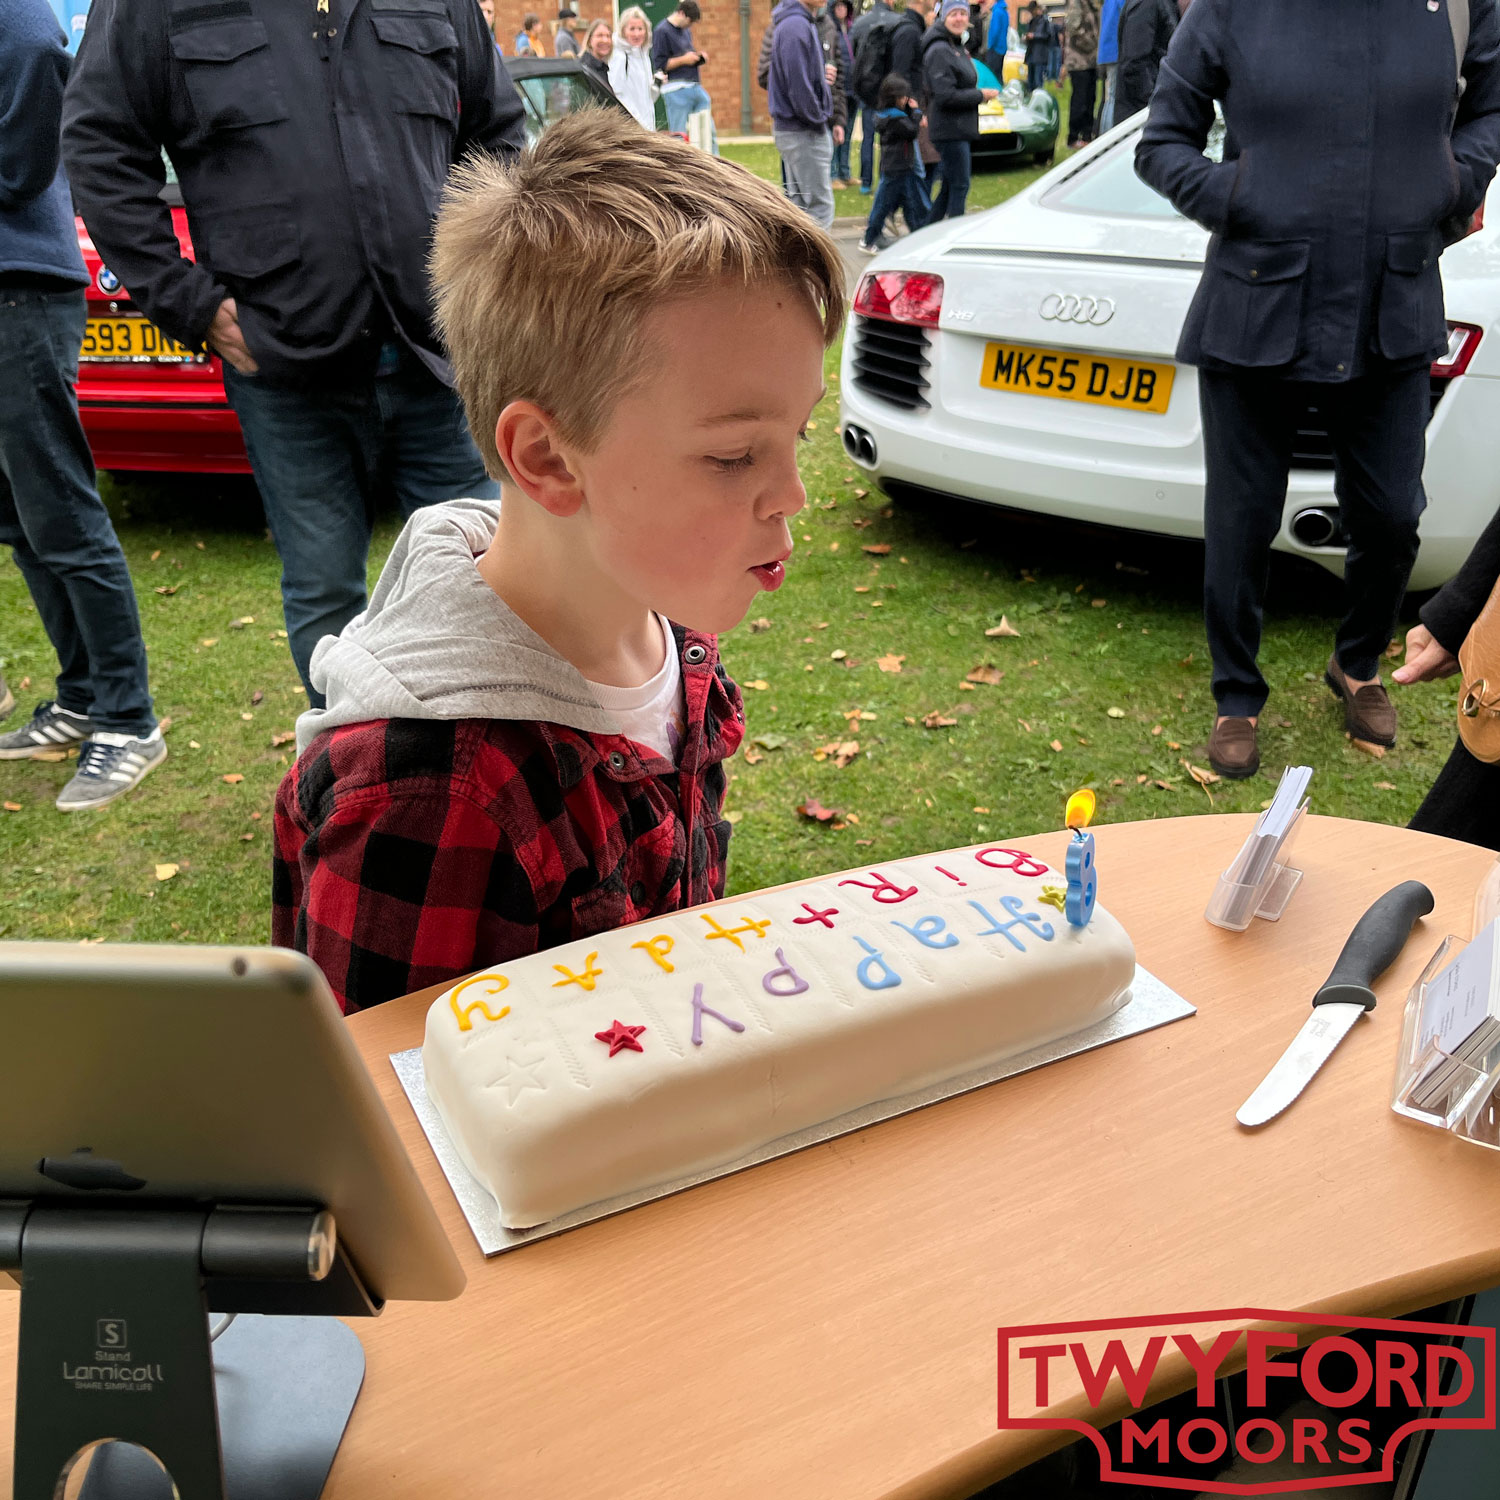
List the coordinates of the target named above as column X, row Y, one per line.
column 1080, row 809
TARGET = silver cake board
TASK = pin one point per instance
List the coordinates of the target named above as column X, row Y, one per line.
column 1152, row 1004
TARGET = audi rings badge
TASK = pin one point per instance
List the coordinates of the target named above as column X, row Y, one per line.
column 1064, row 307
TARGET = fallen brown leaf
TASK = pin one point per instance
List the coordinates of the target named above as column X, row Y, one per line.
column 25, row 683
column 1117, row 781
column 1057, row 744
column 816, row 812
column 283, row 737
column 1142, row 779
column 985, row 672
column 1098, row 603
column 841, row 752
column 243, row 621
column 1380, row 786
column 247, row 715
column 212, row 640
column 837, row 655
column 233, row 778
column 981, row 809
column 937, row 720
column 257, row 697
column 166, row 872
column 1368, row 748
column 50, row 755
column 167, row 588
column 1165, row 786
column 1200, row 774
column 12, row 806
column 1003, row 628
column 255, row 817
column 156, row 554
column 752, row 757
column 1173, row 745
column 759, row 684
column 1156, row 729
column 164, row 723
column 859, row 715
column 1115, row 713
column 967, row 687
column 246, row 837
column 890, row 662
column 877, row 549
column 756, row 626
column 861, row 588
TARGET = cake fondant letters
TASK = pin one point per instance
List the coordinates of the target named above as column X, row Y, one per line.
column 1027, row 921
column 750, row 924
column 786, row 971
column 931, row 932
column 619, row 1036
column 887, row 978
column 496, row 982
column 658, row 947
column 949, row 874
column 882, row 888
column 1014, row 859
column 700, row 1010
column 586, row 979
column 825, row 917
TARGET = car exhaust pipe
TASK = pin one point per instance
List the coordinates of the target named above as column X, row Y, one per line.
column 1318, row 526
column 860, row 446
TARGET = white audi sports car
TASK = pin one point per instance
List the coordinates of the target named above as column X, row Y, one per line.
column 1024, row 357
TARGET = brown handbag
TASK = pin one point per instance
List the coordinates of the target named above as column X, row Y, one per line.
column 1479, row 672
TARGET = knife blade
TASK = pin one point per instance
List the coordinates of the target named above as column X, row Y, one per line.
column 1377, row 939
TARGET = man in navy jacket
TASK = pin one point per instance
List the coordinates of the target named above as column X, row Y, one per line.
column 311, row 145
column 50, row 512
column 802, row 108
column 1351, row 157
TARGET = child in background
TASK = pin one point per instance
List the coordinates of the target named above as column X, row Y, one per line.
column 898, row 118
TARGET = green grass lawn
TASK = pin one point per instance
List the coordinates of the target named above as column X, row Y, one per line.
column 1105, row 684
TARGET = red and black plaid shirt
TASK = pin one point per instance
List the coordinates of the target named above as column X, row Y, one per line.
column 413, row 851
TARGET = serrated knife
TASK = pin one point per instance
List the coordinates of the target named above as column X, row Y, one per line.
column 1377, row 939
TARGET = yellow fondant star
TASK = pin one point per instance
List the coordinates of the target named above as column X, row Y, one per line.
column 1054, row 895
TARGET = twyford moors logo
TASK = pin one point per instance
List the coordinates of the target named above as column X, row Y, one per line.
column 1116, row 1366
column 1065, row 307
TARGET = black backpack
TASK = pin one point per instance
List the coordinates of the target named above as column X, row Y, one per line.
column 873, row 61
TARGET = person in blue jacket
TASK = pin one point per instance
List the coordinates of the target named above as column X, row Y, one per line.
column 1109, row 57
column 997, row 39
column 1362, row 135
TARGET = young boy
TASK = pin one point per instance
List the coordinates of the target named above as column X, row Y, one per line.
column 525, row 732
column 898, row 120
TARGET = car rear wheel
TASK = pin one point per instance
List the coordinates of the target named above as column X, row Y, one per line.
column 1044, row 158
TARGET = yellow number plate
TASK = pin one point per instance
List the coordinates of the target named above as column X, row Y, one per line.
column 994, row 125
column 130, row 337
column 1100, row 379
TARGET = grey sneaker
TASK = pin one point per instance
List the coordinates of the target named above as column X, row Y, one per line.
column 51, row 728
column 108, row 766
column 7, row 701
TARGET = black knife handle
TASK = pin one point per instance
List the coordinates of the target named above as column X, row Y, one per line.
column 1377, row 939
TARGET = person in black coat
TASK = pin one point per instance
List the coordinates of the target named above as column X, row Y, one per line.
column 906, row 44
column 1350, row 160
column 953, row 100
column 1146, row 30
column 1464, row 802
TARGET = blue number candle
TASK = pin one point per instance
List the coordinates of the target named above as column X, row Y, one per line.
column 1083, row 879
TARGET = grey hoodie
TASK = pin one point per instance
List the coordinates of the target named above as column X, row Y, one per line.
column 437, row 642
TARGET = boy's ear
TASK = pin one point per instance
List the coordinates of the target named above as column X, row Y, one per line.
column 531, row 450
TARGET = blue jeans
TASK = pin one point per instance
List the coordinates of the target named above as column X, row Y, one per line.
column 51, row 514
column 324, row 456
column 903, row 190
column 680, row 103
column 954, row 193
column 866, row 145
column 841, row 166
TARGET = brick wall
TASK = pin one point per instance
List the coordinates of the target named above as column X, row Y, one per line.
column 718, row 34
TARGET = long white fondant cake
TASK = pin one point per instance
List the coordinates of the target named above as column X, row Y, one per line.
column 681, row 1043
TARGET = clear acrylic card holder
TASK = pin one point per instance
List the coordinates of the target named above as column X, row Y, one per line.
column 1436, row 1088
column 1242, row 895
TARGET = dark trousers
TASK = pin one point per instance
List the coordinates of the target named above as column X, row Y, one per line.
column 1081, row 108
column 1464, row 802
column 866, row 145
column 953, row 162
column 51, row 514
column 324, row 456
column 1036, row 75
column 1377, row 427
column 903, row 190
column 840, row 164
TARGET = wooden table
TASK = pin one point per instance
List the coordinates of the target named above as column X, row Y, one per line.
column 824, row 1325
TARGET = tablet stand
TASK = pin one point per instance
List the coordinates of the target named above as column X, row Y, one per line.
column 115, row 1344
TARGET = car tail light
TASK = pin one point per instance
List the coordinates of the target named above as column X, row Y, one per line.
column 900, row 297
column 1463, row 340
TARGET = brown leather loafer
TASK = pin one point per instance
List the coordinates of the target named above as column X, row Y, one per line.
column 1232, row 749
column 1369, row 713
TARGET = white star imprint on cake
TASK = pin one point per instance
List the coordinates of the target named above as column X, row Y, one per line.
column 518, row 1076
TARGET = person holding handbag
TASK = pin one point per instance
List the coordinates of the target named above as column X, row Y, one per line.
column 1460, row 634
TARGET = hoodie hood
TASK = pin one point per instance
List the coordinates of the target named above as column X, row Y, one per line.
column 437, row 642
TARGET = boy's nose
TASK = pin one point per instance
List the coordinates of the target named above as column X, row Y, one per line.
column 788, row 498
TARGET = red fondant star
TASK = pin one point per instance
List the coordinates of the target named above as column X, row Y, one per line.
column 620, row 1035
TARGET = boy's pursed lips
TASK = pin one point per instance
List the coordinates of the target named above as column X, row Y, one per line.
column 772, row 574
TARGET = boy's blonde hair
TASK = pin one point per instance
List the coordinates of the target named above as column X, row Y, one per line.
column 545, row 267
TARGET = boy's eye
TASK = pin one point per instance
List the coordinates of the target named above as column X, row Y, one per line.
column 744, row 460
